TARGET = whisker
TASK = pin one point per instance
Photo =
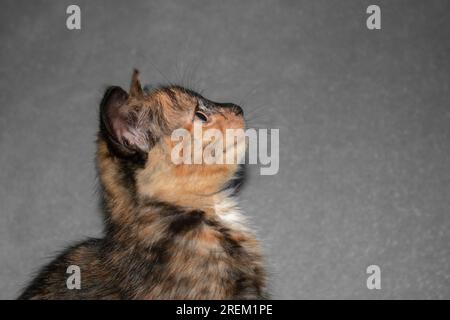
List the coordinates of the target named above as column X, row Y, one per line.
column 251, row 92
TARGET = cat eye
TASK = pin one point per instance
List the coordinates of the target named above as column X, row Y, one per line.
column 201, row 116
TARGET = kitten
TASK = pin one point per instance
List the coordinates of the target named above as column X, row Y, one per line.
column 172, row 231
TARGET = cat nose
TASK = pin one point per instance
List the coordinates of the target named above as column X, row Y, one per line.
column 237, row 110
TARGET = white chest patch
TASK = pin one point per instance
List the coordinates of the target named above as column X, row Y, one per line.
column 230, row 214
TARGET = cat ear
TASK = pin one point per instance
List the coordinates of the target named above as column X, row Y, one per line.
column 119, row 123
column 135, row 86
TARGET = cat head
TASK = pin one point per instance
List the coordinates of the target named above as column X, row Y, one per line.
column 137, row 147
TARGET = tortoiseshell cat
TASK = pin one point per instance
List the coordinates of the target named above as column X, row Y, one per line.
column 171, row 231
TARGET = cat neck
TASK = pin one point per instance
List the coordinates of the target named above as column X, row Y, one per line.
column 124, row 205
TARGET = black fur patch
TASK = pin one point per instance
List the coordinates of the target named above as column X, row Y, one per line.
column 187, row 222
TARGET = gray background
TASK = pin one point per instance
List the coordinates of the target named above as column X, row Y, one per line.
column 363, row 115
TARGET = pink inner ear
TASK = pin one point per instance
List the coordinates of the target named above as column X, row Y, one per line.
column 120, row 121
column 127, row 135
column 137, row 138
column 120, row 128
